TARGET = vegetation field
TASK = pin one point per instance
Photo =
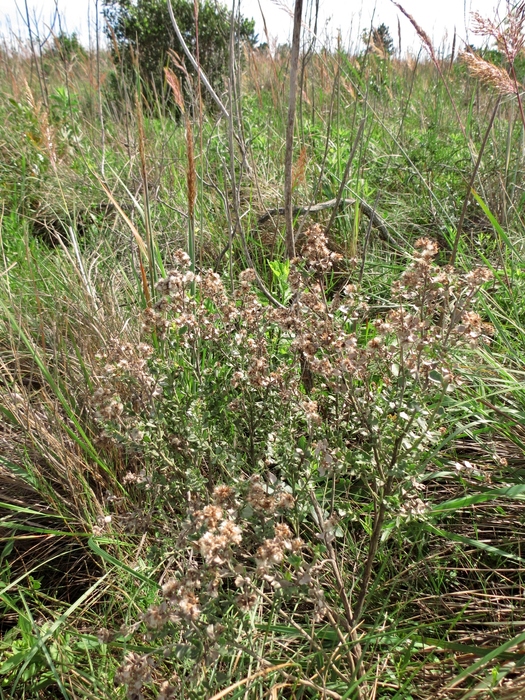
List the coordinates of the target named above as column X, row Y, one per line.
column 262, row 369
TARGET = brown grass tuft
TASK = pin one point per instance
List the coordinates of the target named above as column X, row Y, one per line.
column 488, row 73
column 174, row 84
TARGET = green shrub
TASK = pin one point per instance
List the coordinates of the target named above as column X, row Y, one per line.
column 66, row 47
column 144, row 29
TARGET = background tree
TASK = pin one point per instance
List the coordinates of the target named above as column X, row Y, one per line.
column 144, row 28
column 65, row 46
column 379, row 41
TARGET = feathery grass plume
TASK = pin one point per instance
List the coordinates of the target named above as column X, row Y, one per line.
column 299, row 169
column 114, row 42
column 47, row 140
column 508, row 34
column 488, row 73
column 174, row 84
column 420, row 31
column 283, row 6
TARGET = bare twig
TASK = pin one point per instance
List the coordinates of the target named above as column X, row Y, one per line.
column 292, row 99
column 350, row 618
column 366, row 209
column 195, row 65
column 99, row 93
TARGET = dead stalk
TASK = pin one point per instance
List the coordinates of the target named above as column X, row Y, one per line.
column 350, row 618
column 470, row 185
column 292, row 99
column 99, row 93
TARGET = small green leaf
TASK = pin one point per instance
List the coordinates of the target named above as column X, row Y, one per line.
column 435, row 376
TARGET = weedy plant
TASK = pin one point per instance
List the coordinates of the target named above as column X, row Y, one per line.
column 293, row 401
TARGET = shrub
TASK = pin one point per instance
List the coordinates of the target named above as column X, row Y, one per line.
column 144, row 28
column 289, row 406
column 66, row 47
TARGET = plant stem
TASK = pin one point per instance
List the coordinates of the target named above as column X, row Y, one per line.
column 292, row 99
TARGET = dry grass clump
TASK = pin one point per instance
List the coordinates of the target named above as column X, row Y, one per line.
column 59, row 474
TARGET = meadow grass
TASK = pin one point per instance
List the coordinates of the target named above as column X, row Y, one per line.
column 225, row 473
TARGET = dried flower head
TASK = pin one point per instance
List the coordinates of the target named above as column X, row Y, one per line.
column 508, row 33
column 246, row 279
column 224, row 496
column 231, row 532
column 478, row 276
column 179, row 593
column 258, row 497
column 168, row 691
column 285, row 500
column 246, row 601
column 189, row 606
column 494, row 76
column 283, row 532
column 210, row 515
column 213, row 548
column 316, row 251
column 134, row 673
column 156, row 616
column 428, row 248
column 269, row 554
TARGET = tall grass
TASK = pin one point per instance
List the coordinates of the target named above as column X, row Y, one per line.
column 227, row 473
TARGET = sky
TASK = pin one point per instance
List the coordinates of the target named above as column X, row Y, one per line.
column 349, row 17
